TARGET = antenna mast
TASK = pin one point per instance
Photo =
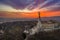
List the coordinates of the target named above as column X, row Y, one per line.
column 39, row 16
column 39, row 25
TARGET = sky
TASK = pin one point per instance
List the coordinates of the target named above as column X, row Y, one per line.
column 29, row 8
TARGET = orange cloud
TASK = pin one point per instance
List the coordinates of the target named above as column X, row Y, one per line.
column 50, row 13
column 29, row 15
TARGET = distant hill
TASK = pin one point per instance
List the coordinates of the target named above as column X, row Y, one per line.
column 57, row 18
column 2, row 20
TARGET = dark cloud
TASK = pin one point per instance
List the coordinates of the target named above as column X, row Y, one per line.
column 17, row 3
column 53, row 2
column 21, row 4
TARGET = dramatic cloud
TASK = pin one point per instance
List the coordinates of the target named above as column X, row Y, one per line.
column 17, row 8
column 29, row 5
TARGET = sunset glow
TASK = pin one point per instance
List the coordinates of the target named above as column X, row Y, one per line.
column 29, row 14
column 29, row 8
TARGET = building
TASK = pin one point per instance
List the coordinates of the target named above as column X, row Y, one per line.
column 50, row 26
